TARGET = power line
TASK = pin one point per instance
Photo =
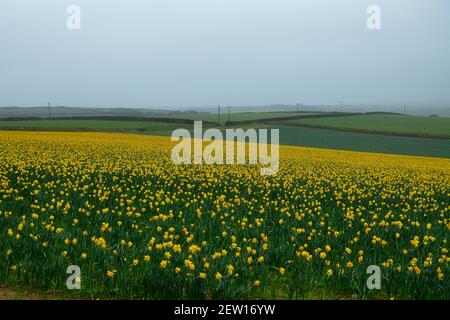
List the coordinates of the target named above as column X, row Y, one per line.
column 218, row 114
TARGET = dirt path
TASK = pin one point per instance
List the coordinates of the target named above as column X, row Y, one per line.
column 18, row 293
column 7, row 293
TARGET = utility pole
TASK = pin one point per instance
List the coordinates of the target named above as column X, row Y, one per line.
column 298, row 108
column 49, row 106
column 218, row 114
column 229, row 114
column 341, row 107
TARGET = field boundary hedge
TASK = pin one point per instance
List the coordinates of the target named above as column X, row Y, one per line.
column 367, row 131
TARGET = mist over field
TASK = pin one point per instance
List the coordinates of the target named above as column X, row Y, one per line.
column 201, row 53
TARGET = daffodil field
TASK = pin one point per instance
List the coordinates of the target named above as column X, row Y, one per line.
column 139, row 226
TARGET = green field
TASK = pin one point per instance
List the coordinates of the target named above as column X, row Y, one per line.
column 88, row 125
column 295, row 136
column 238, row 116
column 15, row 112
column 384, row 123
column 341, row 140
column 59, row 111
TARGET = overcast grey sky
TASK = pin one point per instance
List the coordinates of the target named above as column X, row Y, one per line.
column 142, row 53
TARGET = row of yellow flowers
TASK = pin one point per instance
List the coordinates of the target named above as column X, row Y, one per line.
column 140, row 226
